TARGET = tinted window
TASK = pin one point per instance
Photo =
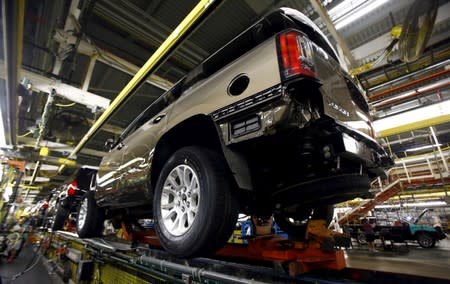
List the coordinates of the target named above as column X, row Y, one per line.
column 156, row 107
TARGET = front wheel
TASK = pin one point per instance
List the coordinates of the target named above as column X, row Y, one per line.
column 90, row 217
column 426, row 240
column 194, row 206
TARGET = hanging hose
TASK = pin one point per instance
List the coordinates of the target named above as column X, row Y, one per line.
column 31, row 263
column 26, row 133
column 45, row 117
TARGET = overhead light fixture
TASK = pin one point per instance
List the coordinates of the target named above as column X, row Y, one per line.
column 344, row 8
column 351, row 10
column 416, row 204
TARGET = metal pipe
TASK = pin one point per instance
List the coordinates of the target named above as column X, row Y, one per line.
column 439, row 149
column 42, row 129
column 144, row 29
column 13, row 14
column 161, row 29
column 406, row 172
column 320, row 9
column 45, row 117
column 409, row 84
column 89, row 49
column 15, row 189
column 412, row 93
column 88, row 76
column 194, row 271
column 160, row 55
column 421, row 71
column 36, row 170
column 430, row 167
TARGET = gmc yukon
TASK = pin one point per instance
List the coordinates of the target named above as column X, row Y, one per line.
column 269, row 125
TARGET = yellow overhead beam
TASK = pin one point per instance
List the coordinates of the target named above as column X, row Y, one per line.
column 27, row 186
column 415, row 125
column 157, row 57
column 413, row 119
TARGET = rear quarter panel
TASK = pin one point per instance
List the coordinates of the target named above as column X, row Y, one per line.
column 260, row 65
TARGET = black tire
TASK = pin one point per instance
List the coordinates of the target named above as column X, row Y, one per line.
column 60, row 217
column 217, row 206
column 295, row 224
column 95, row 216
column 426, row 240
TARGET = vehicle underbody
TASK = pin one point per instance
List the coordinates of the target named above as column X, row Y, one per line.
column 297, row 156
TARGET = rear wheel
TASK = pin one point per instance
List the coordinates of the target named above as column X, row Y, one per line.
column 90, row 217
column 194, row 207
column 426, row 240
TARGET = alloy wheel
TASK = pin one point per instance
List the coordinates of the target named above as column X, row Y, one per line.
column 83, row 213
column 180, row 200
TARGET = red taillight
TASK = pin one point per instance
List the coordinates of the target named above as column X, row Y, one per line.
column 72, row 188
column 293, row 61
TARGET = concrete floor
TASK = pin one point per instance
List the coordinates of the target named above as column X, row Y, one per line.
column 38, row 274
column 412, row 260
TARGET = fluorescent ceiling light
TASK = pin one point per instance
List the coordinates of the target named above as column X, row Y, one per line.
column 344, row 8
column 415, row 204
column 351, row 10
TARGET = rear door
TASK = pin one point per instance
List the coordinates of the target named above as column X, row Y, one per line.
column 109, row 173
column 137, row 157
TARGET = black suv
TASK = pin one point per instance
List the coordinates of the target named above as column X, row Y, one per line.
column 68, row 196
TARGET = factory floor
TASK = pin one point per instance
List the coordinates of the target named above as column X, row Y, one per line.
column 36, row 274
column 411, row 259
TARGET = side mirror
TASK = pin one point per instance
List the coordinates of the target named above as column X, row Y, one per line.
column 109, row 143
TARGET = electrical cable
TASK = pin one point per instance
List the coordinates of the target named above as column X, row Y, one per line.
column 27, row 269
column 29, row 266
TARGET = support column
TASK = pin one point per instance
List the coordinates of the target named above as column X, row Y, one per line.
column 351, row 62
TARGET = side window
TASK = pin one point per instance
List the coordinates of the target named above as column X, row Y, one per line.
column 138, row 122
column 156, row 107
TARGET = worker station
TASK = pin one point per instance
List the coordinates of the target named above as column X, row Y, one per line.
column 225, row 141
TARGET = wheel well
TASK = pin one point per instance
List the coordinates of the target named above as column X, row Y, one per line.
column 197, row 130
